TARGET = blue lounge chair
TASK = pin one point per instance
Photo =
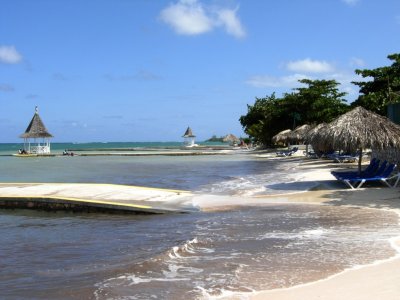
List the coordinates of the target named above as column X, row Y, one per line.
column 377, row 172
column 369, row 170
column 374, row 170
column 287, row 152
column 385, row 177
column 345, row 158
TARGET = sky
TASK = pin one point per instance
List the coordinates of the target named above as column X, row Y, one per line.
column 145, row 70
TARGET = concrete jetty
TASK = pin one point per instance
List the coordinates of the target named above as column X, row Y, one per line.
column 94, row 197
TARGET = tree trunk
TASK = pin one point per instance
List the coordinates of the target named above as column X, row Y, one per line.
column 359, row 162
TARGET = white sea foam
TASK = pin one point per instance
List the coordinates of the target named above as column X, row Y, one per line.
column 315, row 232
column 174, row 253
column 225, row 294
column 306, row 234
column 287, row 179
column 190, row 247
column 134, row 280
column 240, row 265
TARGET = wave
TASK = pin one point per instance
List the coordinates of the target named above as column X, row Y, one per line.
column 286, row 178
column 234, row 254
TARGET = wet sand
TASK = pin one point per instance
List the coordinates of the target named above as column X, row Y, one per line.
column 380, row 280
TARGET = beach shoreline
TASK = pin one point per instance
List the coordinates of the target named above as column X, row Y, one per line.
column 311, row 183
column 376, row 280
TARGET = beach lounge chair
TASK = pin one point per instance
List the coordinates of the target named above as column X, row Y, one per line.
column 385, row 177
column 342, row 158
column 377, row 171
column 370, row 170
column 345, row 158
column 289, row 152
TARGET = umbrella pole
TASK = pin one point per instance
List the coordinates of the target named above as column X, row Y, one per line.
column 359, row 162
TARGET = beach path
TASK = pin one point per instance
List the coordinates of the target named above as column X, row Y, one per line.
column 92, row 196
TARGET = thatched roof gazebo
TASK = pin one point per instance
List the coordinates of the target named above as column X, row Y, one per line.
column 188, row 138
column 281, row 137
column 359, row 129
column 36, row 130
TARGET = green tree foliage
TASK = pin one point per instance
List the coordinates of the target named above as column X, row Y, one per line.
column 260, row 117
column 319, row 101
column 382, row 89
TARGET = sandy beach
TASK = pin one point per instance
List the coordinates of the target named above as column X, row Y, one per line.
column 379, row 280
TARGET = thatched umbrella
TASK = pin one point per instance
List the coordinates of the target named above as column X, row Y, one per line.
column 281, row 137
column 359, row 129
column 299, row 134
column 314, row 137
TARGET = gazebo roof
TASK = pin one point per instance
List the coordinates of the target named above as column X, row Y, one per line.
column 36, row 128
column 188, row 133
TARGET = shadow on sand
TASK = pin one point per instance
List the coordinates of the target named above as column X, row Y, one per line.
column 371, row 197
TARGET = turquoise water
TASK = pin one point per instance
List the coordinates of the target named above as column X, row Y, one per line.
column 218, row 174
column 10, row 148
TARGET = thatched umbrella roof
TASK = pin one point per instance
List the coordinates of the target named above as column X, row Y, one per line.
column 36, row 128
column 314, row 137
column 299, row 134
column 359, row 129
column 281, row 137
column 188, row 133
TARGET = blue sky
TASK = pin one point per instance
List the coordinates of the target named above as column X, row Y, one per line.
column 143, row 70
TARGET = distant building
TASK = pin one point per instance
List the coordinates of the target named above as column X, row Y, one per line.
column 189, row 138
column 38, row 132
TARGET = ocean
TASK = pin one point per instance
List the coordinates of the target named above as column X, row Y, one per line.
column 204, row 255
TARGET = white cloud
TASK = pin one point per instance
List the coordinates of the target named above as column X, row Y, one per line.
column 350, row 2
column 309, row 66
column 357, row 62
column 263, row 81
column 191, row 17
column 231, row 22
column 187, row 17
column 344, row 77
column 9, row 55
